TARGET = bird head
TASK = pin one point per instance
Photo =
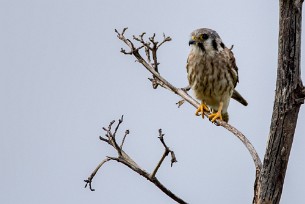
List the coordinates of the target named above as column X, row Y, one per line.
column 207, row 40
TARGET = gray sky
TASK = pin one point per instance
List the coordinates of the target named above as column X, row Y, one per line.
column 62, row 78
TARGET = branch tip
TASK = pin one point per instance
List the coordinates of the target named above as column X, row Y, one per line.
column 118, row 125
column 126, row 53
column 123, row 140
column 124, row 29
column 173, row 160
column 104, row 139
column 90, row 178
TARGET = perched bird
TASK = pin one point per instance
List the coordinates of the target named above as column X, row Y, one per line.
column 212, row 74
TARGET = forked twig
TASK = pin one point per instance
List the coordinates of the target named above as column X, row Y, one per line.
column 165, row 154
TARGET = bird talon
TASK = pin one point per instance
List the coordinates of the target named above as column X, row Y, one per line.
column 215, row 116
column 201, row 109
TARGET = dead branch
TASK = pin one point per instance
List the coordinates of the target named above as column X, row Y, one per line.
column 124, row 158
column 165, row 154
column 151, row 48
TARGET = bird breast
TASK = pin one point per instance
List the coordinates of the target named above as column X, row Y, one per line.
column 209, row 78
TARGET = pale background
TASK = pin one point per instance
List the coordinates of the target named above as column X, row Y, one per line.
column 62, row 78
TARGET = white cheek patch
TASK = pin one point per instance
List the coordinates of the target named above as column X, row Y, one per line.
column 196, row 50
column 208, row 45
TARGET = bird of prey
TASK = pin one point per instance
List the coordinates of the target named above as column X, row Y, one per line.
column 212, row 74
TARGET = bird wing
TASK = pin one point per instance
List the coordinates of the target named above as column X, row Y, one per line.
column 231, row 64
column 188, row 69
column 233, row 70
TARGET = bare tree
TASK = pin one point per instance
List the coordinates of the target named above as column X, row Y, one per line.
column 290, row 94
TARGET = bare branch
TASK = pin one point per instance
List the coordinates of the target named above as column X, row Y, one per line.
column 125, row 159
column 185, row 96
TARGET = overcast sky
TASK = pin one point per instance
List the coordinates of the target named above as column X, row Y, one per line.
column 62, row 78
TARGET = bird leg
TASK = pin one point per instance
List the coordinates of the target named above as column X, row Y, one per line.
column 201, row 109
column 217, row 115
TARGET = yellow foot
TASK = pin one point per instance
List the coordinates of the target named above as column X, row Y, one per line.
column 201, row 109
column 215, row 116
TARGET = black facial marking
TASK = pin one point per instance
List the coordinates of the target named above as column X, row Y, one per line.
column 205, row 36
column 200, row 45
column 222, row 45
column 214, row 43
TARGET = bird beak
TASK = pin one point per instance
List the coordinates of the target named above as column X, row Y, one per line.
column 192, row 41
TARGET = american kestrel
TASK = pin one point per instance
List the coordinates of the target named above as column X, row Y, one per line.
column 212, row 74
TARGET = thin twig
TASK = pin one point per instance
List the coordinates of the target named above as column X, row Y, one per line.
column 180, row 103
column 166, row 39
column 118, row 125
column 123, row 140
column 90, row 178
column 166, row 151
column 174, row 159
column 104, row 139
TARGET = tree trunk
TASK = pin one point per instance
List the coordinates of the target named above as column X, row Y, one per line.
column 288, row 98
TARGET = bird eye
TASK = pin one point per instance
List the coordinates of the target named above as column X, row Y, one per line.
column 204, row 36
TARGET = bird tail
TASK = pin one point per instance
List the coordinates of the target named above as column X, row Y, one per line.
column 239, row 98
